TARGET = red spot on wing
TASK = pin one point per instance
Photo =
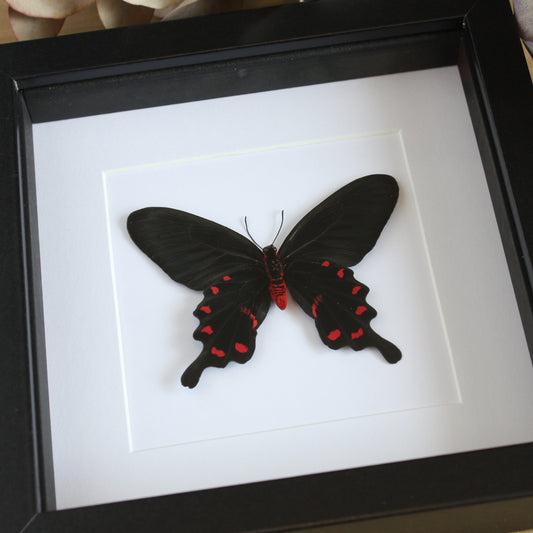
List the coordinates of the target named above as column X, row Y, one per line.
column 356, row 289
column 325, row 264
column 217, row 352
column 357, row 334
column 249, row 313
column 340, row 273
column 316, row 302
column 215, row 290
column 208, row 330
column 360, row 310
column 241, row 348
column 334, row 335
column 226, row 278
column 206, row 309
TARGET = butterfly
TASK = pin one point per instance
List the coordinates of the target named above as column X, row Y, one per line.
column 239, row 280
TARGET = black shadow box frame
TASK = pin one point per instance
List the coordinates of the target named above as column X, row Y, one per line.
column 237, row 53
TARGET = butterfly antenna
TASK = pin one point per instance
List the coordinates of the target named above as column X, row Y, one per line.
column 280, row 226
column 249, row 234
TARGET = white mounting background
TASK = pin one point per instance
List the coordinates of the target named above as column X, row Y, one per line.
column 119, row 331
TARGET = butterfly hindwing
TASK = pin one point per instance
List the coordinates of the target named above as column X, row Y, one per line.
column 330, row 294
column 232, row 309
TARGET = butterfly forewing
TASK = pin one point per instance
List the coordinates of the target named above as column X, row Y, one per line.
column 346, row 225
column 190, row 249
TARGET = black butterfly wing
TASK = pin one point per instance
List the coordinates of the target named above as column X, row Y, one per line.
column 230, row 313
column 346, row 225
column 192, row 250
column 334, row 235
column 226, row 266
column 332, row 296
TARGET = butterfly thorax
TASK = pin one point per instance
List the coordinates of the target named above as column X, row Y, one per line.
column 274, row 270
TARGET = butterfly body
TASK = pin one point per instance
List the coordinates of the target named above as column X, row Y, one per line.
column 274, row 270
column 239, row 280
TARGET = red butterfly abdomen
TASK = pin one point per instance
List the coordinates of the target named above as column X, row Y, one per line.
column 278, row 292
column 274, row 269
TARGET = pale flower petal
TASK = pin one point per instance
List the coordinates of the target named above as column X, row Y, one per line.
column 25, row 27
column 254, row 4
column 524, row 15
column 196, row 8
column 162, row 13
column 54, row 9
column 156, row 4
column 115, row 13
